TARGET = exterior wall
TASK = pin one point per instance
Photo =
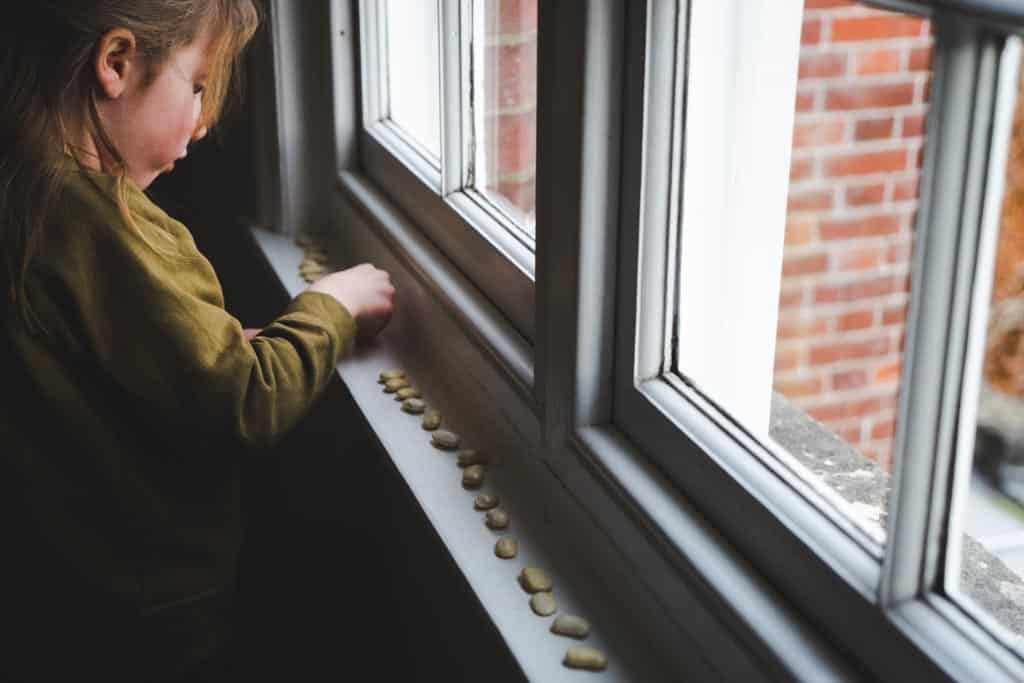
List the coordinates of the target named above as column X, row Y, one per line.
column 510, row 100
column 857, row 148
column 858, row 135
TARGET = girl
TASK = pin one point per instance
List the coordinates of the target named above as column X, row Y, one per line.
column 129, row 392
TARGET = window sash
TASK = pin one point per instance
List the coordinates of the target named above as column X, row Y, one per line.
column 478, row 239
column 1006, row 100
column 956, row 159
column 826, row 572
column 709, row 456
column 647, row 324
column 1003, row 12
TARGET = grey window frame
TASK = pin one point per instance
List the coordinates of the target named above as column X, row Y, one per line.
column 895, row 617
column 576, row 326
column 481, row 241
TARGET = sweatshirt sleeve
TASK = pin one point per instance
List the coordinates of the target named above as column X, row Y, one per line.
column 157, row 325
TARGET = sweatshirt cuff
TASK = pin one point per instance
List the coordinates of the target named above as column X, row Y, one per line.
column 336, row 318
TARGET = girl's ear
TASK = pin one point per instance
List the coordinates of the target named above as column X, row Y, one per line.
column 115, row 58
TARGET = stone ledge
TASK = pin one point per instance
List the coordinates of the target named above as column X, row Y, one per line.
column 984, row 578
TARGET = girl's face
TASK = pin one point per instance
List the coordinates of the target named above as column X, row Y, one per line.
column 151, row 124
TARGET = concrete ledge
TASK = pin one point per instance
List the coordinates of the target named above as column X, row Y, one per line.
column 984, row 578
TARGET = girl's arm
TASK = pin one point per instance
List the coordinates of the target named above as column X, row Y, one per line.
column 157, row 325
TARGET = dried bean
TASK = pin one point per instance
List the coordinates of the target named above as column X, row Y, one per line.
column 393, row 373
column 496, row 519
column 407, row 392
column 445, row 439
column 473, row 476
column 572, row 626
column 413, row 406
column 506, row 548
column 316, row 255
column 579, row 657
column 534, row 580
column 485, row 501
column 432, row 419
column 543, row 604
column 393, row 385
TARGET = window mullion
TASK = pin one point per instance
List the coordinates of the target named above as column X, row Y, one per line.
column 374, row 68
column 456, row 122
column 664, row 52
column 945, row 251
column 578, row 135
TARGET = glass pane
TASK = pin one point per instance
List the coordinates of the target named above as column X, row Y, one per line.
column 506, row 117
column 834, row 344
column 992, row 558
column 858, row 140
column 413, row 70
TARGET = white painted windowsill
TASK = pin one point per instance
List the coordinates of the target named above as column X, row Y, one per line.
column 551, row 532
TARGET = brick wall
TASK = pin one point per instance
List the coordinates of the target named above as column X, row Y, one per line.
column 858, row 137
column 857, row 144
column 510, row 101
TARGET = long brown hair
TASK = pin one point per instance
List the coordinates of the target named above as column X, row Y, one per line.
column 47, row 83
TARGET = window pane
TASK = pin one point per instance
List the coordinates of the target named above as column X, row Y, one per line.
column 506, row 116
column 413, row 71
column 992, row 558
column 816, row 372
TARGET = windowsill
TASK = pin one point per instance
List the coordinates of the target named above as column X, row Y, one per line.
column 667, row 598
column 551, row 533
column 671, row 599
column 860, row 482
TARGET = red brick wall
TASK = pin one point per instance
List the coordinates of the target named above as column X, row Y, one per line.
column 510, row 99
column 857, row 143
column 860, row 116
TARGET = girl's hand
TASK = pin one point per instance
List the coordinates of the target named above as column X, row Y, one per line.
column 251, row 332
column 367, row 293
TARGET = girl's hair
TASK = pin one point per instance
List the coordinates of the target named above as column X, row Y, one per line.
column 47, row 49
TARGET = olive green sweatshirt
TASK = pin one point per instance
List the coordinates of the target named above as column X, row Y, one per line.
column 125, row 422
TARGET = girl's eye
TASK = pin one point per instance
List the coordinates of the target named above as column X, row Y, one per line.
column 197, row 89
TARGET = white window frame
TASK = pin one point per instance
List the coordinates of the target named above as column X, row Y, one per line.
column 977, row 328
column 712, row 457
column 602, row 430
column 480, row 239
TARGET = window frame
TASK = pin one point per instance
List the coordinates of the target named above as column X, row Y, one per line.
column 583, row 443
column 711, row 453
column 478, row 238
column 977, row 327
column 587, row 134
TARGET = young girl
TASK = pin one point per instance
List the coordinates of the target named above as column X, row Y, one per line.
column 129, row 392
